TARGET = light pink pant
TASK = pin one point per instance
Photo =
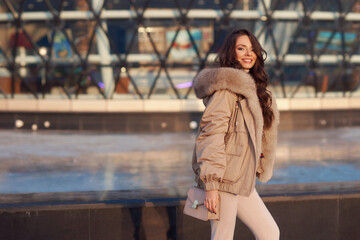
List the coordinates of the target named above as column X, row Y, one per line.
column 251, row 211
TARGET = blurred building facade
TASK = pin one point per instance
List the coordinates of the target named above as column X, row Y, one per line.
column 152, row 49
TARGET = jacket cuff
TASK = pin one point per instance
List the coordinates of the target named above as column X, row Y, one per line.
column 213, row 185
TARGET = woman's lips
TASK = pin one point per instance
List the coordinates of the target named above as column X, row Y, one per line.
column 247, row 60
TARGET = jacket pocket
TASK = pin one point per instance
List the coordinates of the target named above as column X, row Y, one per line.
column 235, row 143
column 233, row 169
column 237, row 137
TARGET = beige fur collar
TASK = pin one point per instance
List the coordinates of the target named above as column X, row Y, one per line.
column 212, row 79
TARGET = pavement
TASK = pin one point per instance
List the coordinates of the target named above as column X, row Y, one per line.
column 58, row 161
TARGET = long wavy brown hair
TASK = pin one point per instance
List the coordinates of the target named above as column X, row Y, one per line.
column 226, row 57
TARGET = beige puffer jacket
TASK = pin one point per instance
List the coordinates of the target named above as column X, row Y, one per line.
column 218, row 147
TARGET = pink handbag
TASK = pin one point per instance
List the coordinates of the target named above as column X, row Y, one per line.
column 194, row 205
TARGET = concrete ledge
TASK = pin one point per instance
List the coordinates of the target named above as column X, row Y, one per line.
column 125, row 105
column 60, row 105
column 161, row 197
column 313, row 211
column 160, row 105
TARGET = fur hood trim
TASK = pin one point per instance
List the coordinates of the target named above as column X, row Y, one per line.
column 210, row 80
column 239, row 82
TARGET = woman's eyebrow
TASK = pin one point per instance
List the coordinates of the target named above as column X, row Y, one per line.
column 240, row 44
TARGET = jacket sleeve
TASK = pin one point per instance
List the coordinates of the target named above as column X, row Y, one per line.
column 210, row 144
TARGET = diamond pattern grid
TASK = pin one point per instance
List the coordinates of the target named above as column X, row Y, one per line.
column 84, row 66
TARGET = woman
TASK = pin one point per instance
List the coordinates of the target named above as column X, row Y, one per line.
column 237, row 137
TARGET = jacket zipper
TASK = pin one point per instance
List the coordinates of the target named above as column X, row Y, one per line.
column 233, row 121
column 236, row 112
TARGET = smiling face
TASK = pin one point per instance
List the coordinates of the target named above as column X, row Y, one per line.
column 245, row 53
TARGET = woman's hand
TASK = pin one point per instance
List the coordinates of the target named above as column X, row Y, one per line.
column 211, row 200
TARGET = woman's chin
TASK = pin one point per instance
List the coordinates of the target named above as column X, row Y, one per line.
column 247, row 66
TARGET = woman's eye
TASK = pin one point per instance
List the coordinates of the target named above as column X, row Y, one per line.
column 240, row 48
